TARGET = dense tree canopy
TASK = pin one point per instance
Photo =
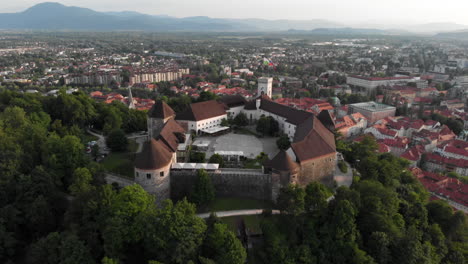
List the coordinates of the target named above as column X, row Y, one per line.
column 55, row 208
column 385, row 217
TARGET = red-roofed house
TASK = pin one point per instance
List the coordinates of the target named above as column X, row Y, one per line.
column 381, row 133
column 413, row 155
column 449, row 188
column 457, row 149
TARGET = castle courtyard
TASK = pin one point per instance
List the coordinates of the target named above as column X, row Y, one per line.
column 249, row 144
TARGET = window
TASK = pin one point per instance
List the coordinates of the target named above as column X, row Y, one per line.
column 161, row 174
column 148, row 176
column 137, row 174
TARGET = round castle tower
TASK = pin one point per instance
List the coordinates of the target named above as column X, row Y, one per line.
column 153, row 163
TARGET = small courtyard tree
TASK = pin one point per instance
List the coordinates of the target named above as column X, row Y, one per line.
column 197, row 157
column 283, row 142
column 263, row 126
column 216, row 158
column 241, row 120
column 224, row 122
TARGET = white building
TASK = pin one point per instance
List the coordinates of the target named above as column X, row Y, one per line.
column 373, row 82
column 203, row 117
column 265, row 86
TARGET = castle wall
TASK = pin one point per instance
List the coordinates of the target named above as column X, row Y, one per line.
column 157, row 182
column 240, row 183
column 320, row 169
column 155, row 125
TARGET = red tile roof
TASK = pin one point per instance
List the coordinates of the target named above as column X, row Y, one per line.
column 203, row 110
column 155, row 155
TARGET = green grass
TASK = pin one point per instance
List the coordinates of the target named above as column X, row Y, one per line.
column 252, row 164
column 132, row 146
column 228, row 204
column 122, row 162
column 252, row 222
column 119, row 163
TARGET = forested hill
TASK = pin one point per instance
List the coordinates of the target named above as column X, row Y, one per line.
column 55, row 16
column 55, row 207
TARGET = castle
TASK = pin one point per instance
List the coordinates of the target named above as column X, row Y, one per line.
column 311, row 157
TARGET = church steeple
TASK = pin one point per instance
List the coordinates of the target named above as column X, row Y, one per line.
column 131, row 105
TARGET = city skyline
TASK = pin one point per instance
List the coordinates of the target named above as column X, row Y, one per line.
column 363, row 13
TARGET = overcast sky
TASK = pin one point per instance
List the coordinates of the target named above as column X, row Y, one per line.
column 364, row 11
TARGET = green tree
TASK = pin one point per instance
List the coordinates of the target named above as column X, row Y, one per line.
column 241, row 120
column 174, row 234
column 203, row 191
column 316, row 198
column 291, row 200
column 267, row 126
column 197, row 157
column 81, row 181
column 218, row 159
column 379, row 247
column 124, row 217
column 283, row 142
column 263, row 126
column 222, row 246
column 8, row 242
column 60, row 248
column 107, row 260
column 224, row 122
column 117, row 140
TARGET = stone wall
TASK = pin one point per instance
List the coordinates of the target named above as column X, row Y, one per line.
column 240, row 183
column 156, row 182
column 320, row 169
column 155, row 125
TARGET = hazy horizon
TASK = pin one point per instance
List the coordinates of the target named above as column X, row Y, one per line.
column 357, row 12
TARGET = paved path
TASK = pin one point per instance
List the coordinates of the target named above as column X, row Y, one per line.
column 101, row 142
column 114, row 178
column 237, row 213
column 249, row 144
column 343, row 179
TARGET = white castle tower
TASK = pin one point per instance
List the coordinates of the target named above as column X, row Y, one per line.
column 265, row 86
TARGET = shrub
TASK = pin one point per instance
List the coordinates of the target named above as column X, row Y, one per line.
column 343, row 167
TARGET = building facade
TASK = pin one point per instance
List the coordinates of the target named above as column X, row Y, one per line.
column 371, row 83
column 372, row 111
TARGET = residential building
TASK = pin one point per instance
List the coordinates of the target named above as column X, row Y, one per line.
column 371, row 83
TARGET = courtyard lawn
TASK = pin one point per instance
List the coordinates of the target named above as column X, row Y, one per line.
column 229, row 204
column 121, row 162
column 252, row 164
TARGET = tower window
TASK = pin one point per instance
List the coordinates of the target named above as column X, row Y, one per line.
column 148, row 176
column 161, row 174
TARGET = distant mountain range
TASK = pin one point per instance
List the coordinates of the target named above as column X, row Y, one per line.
column 55, row 16
column 454, row 35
